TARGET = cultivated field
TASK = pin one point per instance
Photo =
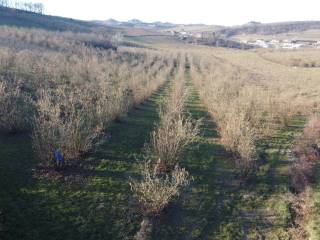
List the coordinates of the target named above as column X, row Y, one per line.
column 161, row 141
column 294, row 58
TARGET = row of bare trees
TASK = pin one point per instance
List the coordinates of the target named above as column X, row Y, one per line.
column 245, row 107
column 162, row 177
column 66, row 41
column 26, row 6
column 68, row 98
column 250, row 99
column 70, row 118
column 233, row 106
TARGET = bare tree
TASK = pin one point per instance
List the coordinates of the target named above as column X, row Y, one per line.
column 26, row 6
column 17, row 5
column 38, row 8
column 4, row 3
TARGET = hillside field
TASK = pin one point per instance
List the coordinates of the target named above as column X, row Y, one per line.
column 148, row 137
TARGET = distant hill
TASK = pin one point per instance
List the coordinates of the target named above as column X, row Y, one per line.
column 21, row 18
column 161, row 26
column 224, row 36
column 252, row 27
column 135, row 23
column 269, row 28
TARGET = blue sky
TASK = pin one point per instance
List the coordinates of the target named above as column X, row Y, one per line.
column 222, row 12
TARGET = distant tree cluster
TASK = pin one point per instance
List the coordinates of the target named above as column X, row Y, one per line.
column 272, row 28
column 26, row 6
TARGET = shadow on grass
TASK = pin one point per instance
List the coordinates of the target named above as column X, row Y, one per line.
column 209, row 202
column 216, row 206
column 93, row 204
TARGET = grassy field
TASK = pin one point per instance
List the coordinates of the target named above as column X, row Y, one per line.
column 102, row 105
column 92, row 200
column 219, row 206
column 307, row 58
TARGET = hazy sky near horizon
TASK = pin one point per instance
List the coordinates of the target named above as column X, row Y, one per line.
column 221, row 12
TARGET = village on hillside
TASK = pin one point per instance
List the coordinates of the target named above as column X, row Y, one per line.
column 284, row 44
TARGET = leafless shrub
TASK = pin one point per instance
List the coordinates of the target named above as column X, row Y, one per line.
column 64, row 121
column 171, row 139
column 109, row 102
column 178, row 95
column 236, row 111
column 21, row 38
column 301, row 174
column 298, row 58
column 279, row 112
column 312, row 130
column 162, row 179
column 155, row 191
column 302, row 206
column 239, row 138
column 305, row 154
column 16, row 109
column 176, row 130
column 78, row 88
column 249, row 97
column 238, row 133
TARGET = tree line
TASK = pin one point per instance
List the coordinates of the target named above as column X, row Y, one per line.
column 26, row 6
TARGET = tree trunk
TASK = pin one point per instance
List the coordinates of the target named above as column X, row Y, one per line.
column 145, row 229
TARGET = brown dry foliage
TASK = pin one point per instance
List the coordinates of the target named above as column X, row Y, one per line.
column 302, row 206
column 249, row 97
column 77, row 87
column 234, row 108
column 176, row 130
column 171, row 139
column 307, row 58
column 162, row 179
column 305, row 154
column 15, row 109
column 156, row 190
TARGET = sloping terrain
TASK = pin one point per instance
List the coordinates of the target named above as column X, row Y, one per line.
column 90, row 196
column 20, row 18
column 270, row 28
